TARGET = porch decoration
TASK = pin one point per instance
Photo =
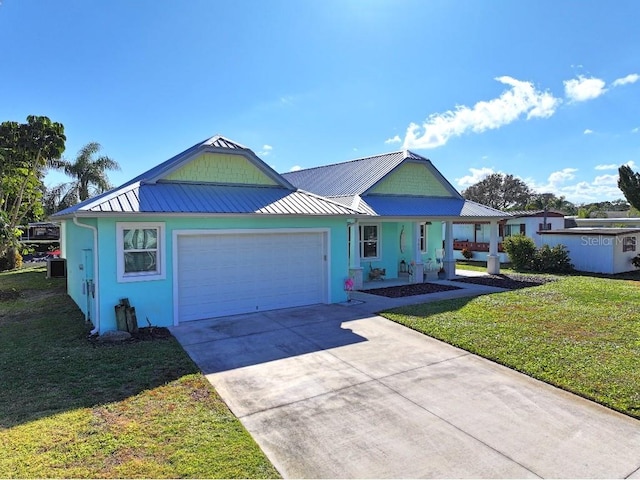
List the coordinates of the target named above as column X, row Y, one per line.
column 348, row 287
column 376, row 273
column 403, row 266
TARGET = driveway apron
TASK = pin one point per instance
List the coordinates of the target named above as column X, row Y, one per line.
column 334, row 391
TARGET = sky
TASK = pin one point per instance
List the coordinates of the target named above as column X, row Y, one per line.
column 546, row 90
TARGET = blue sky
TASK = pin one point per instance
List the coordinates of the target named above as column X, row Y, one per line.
column 546, row 90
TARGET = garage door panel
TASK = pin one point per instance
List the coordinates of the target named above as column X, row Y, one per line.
column 226, row 274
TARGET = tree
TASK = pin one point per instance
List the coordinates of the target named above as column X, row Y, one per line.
column 629, row 183
column 499, row 191
column 27, row 150
column 549, row 201
column 89, row 172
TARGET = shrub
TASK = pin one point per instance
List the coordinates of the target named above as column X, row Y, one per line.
column 521, row 251
column 466, row 253
column 552, row 259
column 636, row 261
column 11, row 260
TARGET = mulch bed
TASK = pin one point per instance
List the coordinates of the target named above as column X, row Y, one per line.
column 511, row 281
column 151, row 333
column 7, row 295
column 409, row 290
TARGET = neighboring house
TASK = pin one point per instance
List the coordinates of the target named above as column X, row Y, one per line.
column 214, row 231
column 40, row 232
column 620, row 222
column 474, row 236
column 598, row 250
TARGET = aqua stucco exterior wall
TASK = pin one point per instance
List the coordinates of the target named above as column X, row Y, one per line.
column 391, row 253
column 153, row 299
column 77, row 241
column 221, row 168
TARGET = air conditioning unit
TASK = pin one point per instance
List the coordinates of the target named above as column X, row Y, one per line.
column 57, row 268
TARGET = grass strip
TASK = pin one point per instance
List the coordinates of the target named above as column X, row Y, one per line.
column 70, row 408
column 580, row 333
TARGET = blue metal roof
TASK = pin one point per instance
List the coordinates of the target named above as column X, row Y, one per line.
column 170, row 197
column 400, row 206
column 356, row 177
column 346, row 182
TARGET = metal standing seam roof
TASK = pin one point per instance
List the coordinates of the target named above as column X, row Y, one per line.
column 398, row 206
column 172, row 197
column 148, row 193
column 348, row 178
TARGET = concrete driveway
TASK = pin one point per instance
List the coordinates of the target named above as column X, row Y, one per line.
column 333, row 391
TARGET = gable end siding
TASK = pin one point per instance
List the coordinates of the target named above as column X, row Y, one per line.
column 221, row 168
column 411, row 179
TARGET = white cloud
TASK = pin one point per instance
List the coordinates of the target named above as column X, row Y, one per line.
column 295, row 168
column 266, row 150
column 395, row 139
column 562, row 176
column 608, row 166
column 477, row 175
column 635, row 130
column 606, row 180
column 522, row 98
column 631, row 78
column 631, row 164
column 588, row 131
column 581, row 88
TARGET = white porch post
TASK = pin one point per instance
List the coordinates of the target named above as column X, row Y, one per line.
column 418, row 266
column 355, row 270
column 493, row 260
column 449, row 262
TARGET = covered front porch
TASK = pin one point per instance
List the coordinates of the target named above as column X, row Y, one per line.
column 400, row 251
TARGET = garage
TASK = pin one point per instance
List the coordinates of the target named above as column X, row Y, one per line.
column 228, row 273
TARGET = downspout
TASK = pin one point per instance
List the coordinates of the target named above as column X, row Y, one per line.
column 96, row 323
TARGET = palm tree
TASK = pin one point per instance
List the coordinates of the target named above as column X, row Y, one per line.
column 89, row 171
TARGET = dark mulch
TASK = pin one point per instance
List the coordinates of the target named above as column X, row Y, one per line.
column 151, row 333
column 10, row 294
column 409, row 290
column 511, row 281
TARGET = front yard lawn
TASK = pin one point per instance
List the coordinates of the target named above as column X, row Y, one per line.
column 580, row 333
column 70, row 408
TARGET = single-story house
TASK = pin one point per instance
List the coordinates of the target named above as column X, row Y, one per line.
column 474, row 236
column 598, row 250
column 215, row 231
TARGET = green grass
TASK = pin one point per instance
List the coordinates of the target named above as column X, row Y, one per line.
column 580, row 333
column 74, row 409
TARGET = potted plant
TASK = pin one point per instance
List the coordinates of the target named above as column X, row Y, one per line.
column 442, row 273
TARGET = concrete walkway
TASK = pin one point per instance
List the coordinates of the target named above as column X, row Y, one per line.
column 333, row 391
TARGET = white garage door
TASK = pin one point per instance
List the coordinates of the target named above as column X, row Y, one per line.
column 228, row 274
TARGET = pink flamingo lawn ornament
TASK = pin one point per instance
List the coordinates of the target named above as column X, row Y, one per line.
column 348, row 286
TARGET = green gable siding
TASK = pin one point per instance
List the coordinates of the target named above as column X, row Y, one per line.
column 221, row 168
column 411, row 179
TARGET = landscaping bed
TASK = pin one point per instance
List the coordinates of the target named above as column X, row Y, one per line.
column 412, row 289
column 511, row 281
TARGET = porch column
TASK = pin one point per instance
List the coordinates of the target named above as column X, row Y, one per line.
column 355, row 270
column 418, row 266
column 449, row 262
column 493, row 260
